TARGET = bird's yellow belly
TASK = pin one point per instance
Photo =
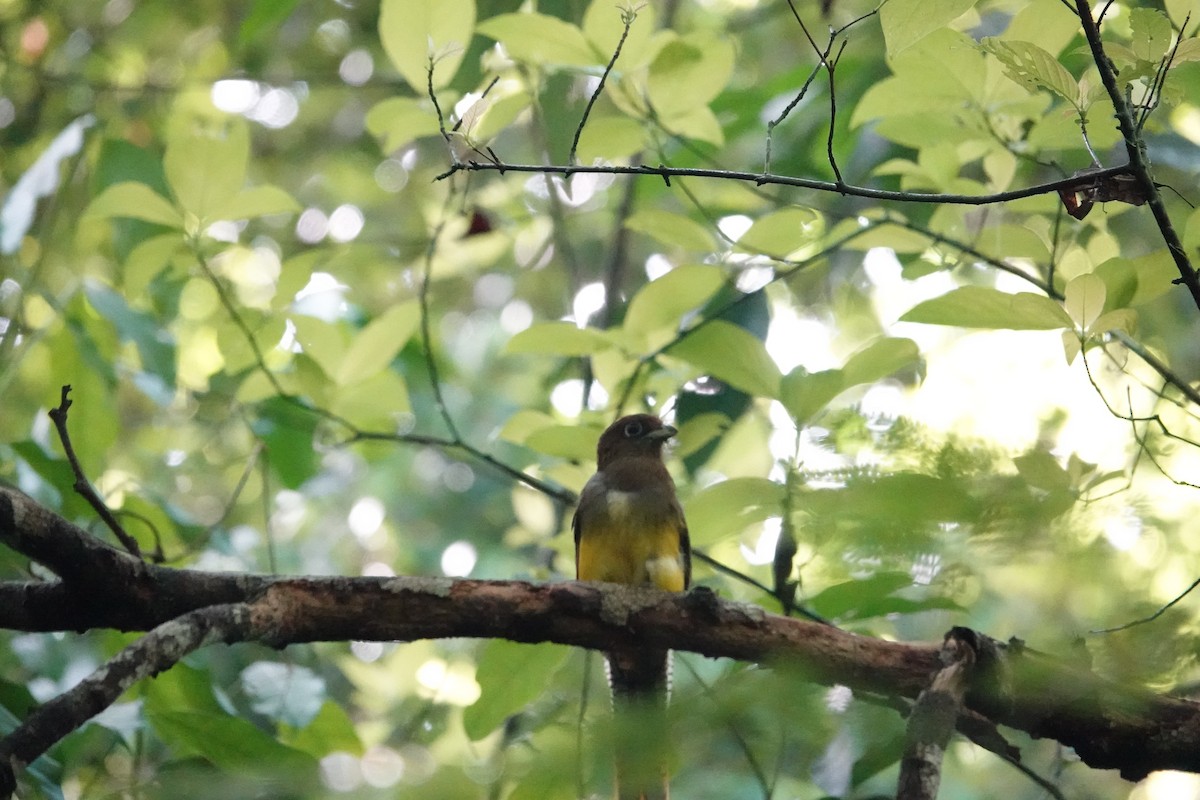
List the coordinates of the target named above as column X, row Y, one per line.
column 631, row 553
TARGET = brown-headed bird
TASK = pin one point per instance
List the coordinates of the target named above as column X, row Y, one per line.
column 629, row 528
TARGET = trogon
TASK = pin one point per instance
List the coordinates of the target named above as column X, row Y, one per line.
column 629, row 528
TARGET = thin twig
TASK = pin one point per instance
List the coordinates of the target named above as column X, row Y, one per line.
column 1153, row 616
column 82, row 485
column 627, row 17
column 663, row 172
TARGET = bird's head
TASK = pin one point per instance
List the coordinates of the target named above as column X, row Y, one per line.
column 633, row 436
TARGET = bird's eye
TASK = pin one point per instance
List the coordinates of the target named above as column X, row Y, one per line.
column 633, row 430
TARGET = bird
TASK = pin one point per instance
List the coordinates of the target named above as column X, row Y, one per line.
column 629, row 528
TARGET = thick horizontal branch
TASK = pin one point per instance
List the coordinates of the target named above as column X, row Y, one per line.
column 1110, row 726
column 767, row 179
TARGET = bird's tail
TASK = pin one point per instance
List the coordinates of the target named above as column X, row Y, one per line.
column 640, row 681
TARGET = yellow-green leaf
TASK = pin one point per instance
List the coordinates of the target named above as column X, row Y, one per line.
column 510, row 676
column 906, row 22
column 558, row 338
column 804, row 394
column 731, row 354
column 1031, row 66
column 662, row 303
column 414, row 32
column 981, row 307
column 673, row 230
column 259, row 201
column 374, row 347
column 541, row 39
column 207, row 169
column 136, row 201
column 1085, row 300
column 782, row 232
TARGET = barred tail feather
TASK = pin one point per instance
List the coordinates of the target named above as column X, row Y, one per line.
column 640, row 682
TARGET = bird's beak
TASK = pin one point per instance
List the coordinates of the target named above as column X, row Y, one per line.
column 665, row 432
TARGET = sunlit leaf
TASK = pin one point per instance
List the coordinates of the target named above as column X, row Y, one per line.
column 259, row 201
column 417, row 32
column 572, row 442
column 732, row 354
column 205, row 170
column 689, row 72
column 541, row 39
column 400, row 120
column 136, row 201
column 906, row 22
column 781, row 232
column 374, row 347
column 880, row 359
column 558, row 338
column 981, row 307
column 662, row 303
column 1084, row 302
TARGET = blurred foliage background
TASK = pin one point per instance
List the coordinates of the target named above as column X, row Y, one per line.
column 295, row 346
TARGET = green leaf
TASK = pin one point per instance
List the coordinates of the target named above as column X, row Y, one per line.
column 731, row 354
column 374, row 347
column 1072, row 345
column 321, row 341
column 155, row 346
column 541, row 39
column 572, row 442
column 135, row 201
column 1120, row 282
column 207, row 169
column 981, row 307
column 725, row 509
column 881, row 358
column 1085, row 300
column 1033, row 67
column 906, row 22
column 233, row 745
column 1041, row 470
column 510, row 677
column 415, row 31
column 400, row 120
column 259, row 201
column 1150, row 33
column 805, row 394
column 849, row 598
column 330, row 731
column 373, row 402
column 559, row 338
column 662, row 303
column 782, row 232
column 264, row 17
column 698, row 431
column 688, row 73
column 287, row 431
column 673, row 230
column 1121, row 319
